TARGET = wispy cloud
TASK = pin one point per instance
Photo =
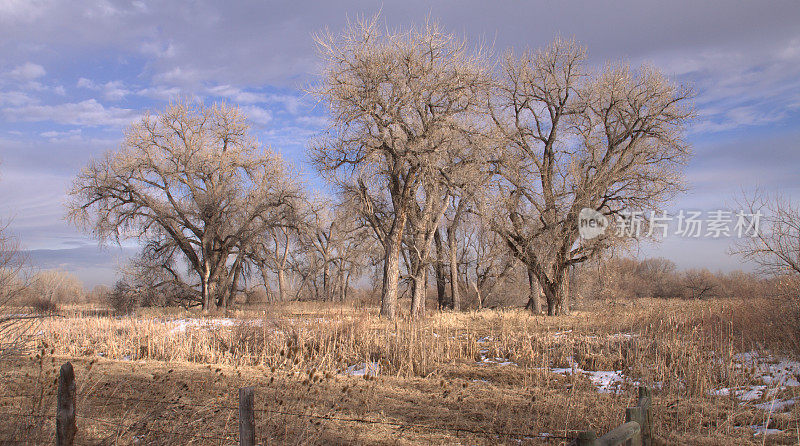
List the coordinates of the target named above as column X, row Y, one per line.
column 28, row 71
column 112, row 90
column 88, row 112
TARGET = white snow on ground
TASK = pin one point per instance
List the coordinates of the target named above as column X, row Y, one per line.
column 606, row 381
column 364, row 368
column 776, row 405
column 181, row 325
column 771, row 370
column 498, row 361
column 761, row 430
column 776, row 373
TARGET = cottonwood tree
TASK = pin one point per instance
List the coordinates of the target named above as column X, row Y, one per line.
column 610, row 140
column 155, row 277
column 192, row 175
column 399, row 101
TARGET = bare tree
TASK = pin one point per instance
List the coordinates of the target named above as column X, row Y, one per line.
column 488, row 262
column 271, row 254
column 699, row 284
column 51, row 288
column 399, row 102
column 770, row 233
column 571, row 139
column 14, row 327
column 334, row 243
column 192, row 175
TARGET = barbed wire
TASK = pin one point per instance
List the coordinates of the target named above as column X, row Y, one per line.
column 403, row 425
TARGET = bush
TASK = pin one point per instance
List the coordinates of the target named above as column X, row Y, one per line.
column 122, row 299
column 42, row 305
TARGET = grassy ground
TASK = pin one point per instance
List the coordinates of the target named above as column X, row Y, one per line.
column 488, row 377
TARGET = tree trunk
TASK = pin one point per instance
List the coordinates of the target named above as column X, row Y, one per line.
column 556, row 294
column 441, row 298
column 206, row 290
column 281, row 285
column 455, row 299
column 478, row 295
column 534, row 303
column 346, row 286
column 391, row 267
column 269, row 293
column 326, row 285
column 419, row 292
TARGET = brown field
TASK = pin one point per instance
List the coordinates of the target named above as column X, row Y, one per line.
column 171, row 377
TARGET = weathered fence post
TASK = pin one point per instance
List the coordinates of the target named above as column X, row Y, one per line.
column 635, row 414
column 645, row 403
column 65, row 412
column 586, row 438
column 247, row 428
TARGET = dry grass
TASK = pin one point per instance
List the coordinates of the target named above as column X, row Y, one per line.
column 430, row 375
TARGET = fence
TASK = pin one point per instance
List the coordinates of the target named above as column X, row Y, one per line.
column 637, row 430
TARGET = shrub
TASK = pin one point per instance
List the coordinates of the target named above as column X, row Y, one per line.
column 43, row 305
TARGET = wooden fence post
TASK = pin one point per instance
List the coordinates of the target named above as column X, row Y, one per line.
column 586, row 438
column 65, row 412
column 645, row 403
column 247, row 429
column 635, row 414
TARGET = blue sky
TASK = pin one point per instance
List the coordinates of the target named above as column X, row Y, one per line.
column 74, row 74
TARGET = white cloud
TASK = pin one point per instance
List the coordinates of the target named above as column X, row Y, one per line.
column 179, row 76
column 739, row 87
column 86, row 83
column 28, row 71
column 236, row 94
column 314, row 121
column 21, row 10
column 56, row 136
column 89, row 112
column 161, row 92
column 15, row 98
column 159, row 49
column 257, row 115
column 112, row 90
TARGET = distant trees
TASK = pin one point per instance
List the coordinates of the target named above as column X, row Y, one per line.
column 402, row 104
column 193, row 185
column 620, row 278
column 571, row 138
column 49, row 289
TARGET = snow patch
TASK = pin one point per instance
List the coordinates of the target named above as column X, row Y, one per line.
column 606, row 381
column 181, row 325
column 761, row 430
column 485, row 359
column 364, row 368
column 776, row 373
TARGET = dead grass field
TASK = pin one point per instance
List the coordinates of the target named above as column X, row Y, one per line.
column 721, row 373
